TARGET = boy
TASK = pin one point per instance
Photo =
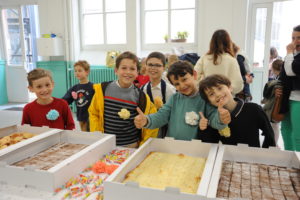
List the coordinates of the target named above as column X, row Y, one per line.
column 181, row 110
column 46, row 110
column 113, row 106
column 247, row 119
column 157, row 89
column 81, row 93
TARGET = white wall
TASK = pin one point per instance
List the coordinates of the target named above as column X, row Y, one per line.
column 213, row 14
column 230, row 15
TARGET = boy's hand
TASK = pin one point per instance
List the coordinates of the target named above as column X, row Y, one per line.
column 203, row 122
column 140, row 120
column 224, row 113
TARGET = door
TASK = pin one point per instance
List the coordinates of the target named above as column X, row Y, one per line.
column 19, row 34
column 259, row 44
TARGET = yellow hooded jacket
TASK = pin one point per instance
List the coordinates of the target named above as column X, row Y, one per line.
column 96, row 111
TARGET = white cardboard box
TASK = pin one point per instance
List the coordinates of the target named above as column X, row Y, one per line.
column 114, row 189
column 24, row 128
column 98, row 145
column 243, row 153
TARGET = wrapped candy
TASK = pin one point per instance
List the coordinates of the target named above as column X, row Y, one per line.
column 124, row 113
column 158, row 102
column 225, row 132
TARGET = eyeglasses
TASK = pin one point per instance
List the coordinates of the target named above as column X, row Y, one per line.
column 154, row 65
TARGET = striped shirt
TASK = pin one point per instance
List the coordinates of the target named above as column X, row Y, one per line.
column 116, row 98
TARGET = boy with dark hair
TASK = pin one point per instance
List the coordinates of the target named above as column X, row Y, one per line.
column 114, row 104
column 82, row 93
column 46, row 110
column 247, row 119
column 181, row 110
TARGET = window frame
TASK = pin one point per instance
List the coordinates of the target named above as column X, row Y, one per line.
column 168, row 45
column 21, row 37
column 103, row 46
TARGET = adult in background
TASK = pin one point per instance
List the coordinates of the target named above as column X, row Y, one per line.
column 220, row 60
column 243, row 62
column 290, row 76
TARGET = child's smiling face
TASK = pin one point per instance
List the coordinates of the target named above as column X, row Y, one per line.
column 219, row 93
column 186, row 84
column 42, row 88
column 155, row 68
column 126, row 72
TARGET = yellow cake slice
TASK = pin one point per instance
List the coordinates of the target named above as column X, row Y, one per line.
column 160, row 170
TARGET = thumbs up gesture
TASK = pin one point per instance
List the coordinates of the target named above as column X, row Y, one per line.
column 203, row 121
column 224, row 113
column 140, row 120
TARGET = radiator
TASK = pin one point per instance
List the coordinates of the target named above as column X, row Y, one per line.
column 97, row 75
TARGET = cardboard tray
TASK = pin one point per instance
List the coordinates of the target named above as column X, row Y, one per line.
column 98, row 145
column 24, row 128
column 114, row 189
column 243, row 153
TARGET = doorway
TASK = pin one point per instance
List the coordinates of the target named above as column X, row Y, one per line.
column 271, row 25
column 19, row 31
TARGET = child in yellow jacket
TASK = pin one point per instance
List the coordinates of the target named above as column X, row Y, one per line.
column 114, row 104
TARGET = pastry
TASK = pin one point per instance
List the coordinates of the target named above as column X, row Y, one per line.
column 14, row 138
column 160, row 170
column 258, row 181
column 27, row 135
column 51, row 156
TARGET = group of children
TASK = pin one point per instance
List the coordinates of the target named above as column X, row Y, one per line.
column 185, row 110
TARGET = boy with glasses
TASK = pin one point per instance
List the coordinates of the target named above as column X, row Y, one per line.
column 157, row 89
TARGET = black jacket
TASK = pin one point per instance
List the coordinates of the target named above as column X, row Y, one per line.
column 290, row 83
column 247, row 120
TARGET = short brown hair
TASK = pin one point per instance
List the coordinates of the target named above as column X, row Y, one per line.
column 157, row 55
column 277, row 65
column 37, row 74
column 212, row 81
column 180, row 69
column 84, row 64
column 127, row 55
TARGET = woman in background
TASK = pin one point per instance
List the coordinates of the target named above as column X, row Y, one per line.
column 220, row 60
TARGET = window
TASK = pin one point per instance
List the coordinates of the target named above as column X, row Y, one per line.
column 103, row 22
column 164, row 19
column 20, row 29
